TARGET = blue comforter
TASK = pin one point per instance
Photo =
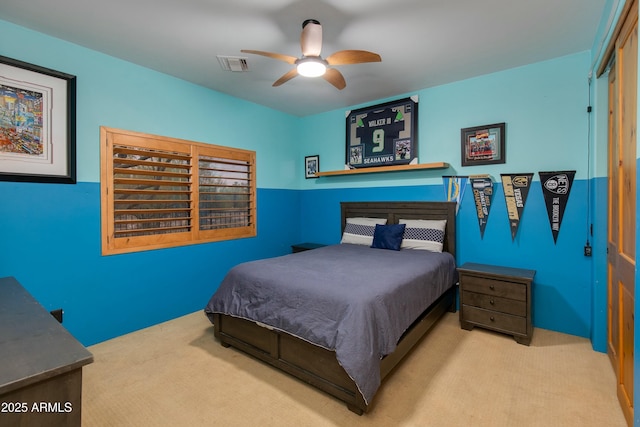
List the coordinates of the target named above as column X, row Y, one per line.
column 351, row 299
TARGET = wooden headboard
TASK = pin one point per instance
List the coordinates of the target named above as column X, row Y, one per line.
column 394, row 211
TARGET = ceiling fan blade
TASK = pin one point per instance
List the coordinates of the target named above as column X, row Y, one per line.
column 286, row 58
column 286, row 77
column 344, row 57
column 335, row 77
column 311, row 38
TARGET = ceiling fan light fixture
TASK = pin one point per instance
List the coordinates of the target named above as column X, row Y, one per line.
column 311, row 67
column 311, row 64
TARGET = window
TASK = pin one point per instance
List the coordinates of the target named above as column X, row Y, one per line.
column 160, row 192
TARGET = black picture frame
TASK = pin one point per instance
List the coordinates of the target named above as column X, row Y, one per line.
column 37, row 123
column 483, row 145
column 383, row 135
column 311, row 166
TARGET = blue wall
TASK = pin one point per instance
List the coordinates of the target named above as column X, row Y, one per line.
column 543, row 105
column 562, row 291
column 51, row 233
column 545, row 108
column 51, row 244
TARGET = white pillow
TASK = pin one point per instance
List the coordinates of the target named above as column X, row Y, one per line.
column 359, row 231
column 423, row 234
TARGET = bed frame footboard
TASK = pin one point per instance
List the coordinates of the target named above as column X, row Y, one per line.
column 315, row 365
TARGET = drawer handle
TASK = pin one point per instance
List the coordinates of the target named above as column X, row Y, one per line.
column 493, row 319
column 493, row 288
column 492, row 302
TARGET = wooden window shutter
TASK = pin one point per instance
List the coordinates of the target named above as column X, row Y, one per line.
column 160, row 192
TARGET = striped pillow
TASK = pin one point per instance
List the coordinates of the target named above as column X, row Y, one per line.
column 359, row 231
column 423, row 234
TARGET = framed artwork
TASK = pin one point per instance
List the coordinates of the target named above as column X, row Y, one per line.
column 311, row 166
column 37, row 123
column 483, row 145
column 383, row 135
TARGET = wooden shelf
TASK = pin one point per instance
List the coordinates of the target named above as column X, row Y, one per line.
column 436, row 165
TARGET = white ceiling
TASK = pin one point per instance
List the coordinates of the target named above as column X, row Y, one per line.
column 423, row 43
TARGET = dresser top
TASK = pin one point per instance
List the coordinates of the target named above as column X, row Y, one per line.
column 33, row 345
column 496, row 270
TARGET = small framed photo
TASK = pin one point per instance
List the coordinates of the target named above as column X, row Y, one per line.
column 483, row 145
column 37, row 123
column 311, row 166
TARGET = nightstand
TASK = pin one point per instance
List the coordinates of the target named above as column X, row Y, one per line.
column 301, row 247
column 497, row 298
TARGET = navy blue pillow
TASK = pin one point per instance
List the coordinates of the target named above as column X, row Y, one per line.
column 388, row 236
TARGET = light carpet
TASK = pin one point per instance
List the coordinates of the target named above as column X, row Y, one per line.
column 177, row 374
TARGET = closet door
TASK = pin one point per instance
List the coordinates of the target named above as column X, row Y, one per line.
column 613, row 300
column 622, row 208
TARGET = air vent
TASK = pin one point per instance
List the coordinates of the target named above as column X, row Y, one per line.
column 233, row 63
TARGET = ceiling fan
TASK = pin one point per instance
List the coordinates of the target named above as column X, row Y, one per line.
column 311, row 64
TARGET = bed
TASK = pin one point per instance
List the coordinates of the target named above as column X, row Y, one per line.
column 341, row 317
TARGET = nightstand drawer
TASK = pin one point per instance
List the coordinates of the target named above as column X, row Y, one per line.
column 490, row 302
column 495, row 320
column 498, row 288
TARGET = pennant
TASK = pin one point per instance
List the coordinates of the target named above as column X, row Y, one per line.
column 516, row 188
column 454, row 188
column 556, row 187
column 482, row 186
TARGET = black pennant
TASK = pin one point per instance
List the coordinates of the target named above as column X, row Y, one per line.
column 516, row 189
column 556, row 187
column 482, row 186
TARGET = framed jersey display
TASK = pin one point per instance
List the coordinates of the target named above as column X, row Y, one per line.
column 383, row 135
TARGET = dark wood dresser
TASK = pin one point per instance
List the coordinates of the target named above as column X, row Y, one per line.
column 497, row 298
column 41, row 368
